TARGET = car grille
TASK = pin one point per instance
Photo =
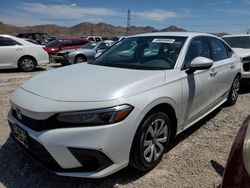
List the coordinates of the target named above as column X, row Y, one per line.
column 47, row 124
column 37, row 125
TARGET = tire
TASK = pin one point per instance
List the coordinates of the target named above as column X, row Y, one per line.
column 80, row 59
column 27, row 64
column 51, row 59
column 234, row 92
column 148, row 146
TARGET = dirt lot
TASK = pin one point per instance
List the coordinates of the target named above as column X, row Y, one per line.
column 196, row 158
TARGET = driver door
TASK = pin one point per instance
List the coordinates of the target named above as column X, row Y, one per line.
column 199, row 87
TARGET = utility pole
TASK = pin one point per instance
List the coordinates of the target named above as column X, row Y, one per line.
column 128, row 23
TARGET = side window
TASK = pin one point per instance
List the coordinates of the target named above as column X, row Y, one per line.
column 98, row 39
column 68, row 43
column 4, row 41
column 218, row 49
column 80, row 42
column 197, row 48
column 103, row 46
column 91, row 38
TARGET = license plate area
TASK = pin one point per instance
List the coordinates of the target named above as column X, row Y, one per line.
column 20, row 135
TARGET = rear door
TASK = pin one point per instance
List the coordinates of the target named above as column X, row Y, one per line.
column 224, row 65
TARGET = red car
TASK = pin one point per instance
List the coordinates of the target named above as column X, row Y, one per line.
column 54, row 47
column 237, row 171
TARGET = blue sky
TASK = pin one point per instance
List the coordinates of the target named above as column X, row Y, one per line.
column 232, row 16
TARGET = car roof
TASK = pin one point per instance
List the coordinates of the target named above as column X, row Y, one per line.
column 177, row 34
column 237, row 35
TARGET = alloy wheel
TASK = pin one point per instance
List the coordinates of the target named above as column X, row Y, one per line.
column 235, row 89
column 155, row 140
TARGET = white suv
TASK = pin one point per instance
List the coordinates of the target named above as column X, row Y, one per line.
column 241, row 45
column 91, row 120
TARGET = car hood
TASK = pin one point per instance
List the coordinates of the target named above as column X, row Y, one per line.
column 86, row 82
column 242, row 52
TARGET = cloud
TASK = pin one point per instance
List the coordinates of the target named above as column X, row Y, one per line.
column 155, row 14
column 71, row 11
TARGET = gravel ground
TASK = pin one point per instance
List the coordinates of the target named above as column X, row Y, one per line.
column 196, row 158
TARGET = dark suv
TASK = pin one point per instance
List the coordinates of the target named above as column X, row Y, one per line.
column 40, row 38
column 57, row 48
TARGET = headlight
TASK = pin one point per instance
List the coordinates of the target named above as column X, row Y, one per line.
column 97, row 117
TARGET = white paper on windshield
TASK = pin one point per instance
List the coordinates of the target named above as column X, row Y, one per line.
column 163, row 40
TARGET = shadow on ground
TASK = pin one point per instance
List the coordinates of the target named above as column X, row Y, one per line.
column 18, row 71
column 245, row 87
column 18, row 170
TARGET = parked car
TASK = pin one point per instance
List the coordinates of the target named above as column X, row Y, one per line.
column 95, row 38
column 241, row 45
column 91, row 120
column 55, row 47
column 237, row 171
column 18, row 53
column 86, row 53
column 40, row 38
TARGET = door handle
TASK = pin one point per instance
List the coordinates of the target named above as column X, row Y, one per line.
column 19, row 49
column 213, row 72
column 232, row 66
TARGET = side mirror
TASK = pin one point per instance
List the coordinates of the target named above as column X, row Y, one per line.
column 200, row 63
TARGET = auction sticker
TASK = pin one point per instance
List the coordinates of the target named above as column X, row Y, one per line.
column 164, row 40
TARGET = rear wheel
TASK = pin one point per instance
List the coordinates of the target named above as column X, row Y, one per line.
column 27, row 64
column 150, row 142
column 80, row 59
column 234, row 91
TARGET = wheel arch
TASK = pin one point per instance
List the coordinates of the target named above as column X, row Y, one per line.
column 29, row 56
column 169, row 110
column 155, row 106
column 81, row 55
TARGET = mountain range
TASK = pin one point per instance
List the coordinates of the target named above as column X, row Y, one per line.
column 82, row 29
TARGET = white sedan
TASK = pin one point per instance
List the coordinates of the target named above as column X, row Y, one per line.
column 91, row 120
column 18, row 53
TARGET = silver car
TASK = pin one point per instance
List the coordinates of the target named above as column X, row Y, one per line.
column 86, row 53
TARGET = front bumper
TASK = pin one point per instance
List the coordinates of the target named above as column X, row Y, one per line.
column 92, row 152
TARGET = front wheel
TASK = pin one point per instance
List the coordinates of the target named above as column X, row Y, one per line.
column 150, row 141
column 234, row 91
column 80, row 59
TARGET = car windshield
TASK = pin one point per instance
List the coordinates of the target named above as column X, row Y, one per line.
column 90, row 45
column 53, row 43
column 144, row 53
column 238, row 42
